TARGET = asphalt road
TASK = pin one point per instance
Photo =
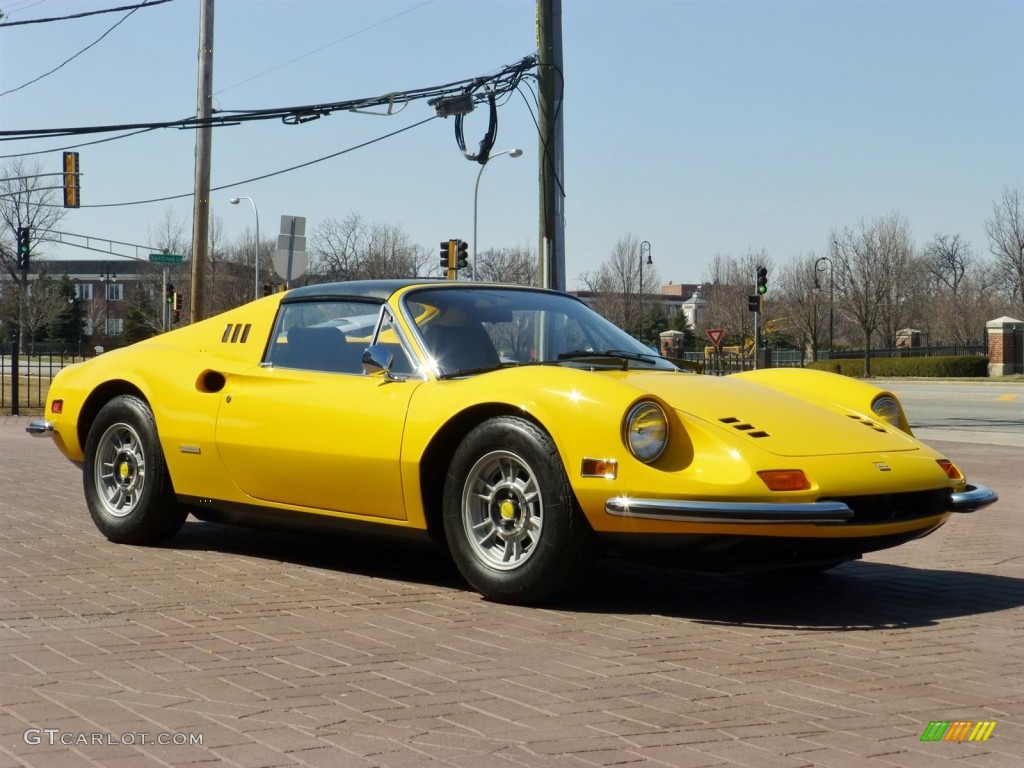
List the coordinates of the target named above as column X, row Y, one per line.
column 284, row 650
column 989, row 411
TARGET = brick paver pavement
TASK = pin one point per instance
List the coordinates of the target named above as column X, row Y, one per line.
column 284, row 650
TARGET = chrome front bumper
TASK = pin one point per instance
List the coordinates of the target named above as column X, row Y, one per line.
column 39, row 428
column 972, row 498
column 814, row 513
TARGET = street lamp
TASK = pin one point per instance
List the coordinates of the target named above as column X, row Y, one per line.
column 645, row 245
column 476, row 196
column 831, row 293
column 76, row 304
column 106, row 276
column 236, row 201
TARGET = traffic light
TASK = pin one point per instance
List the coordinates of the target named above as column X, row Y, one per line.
column 170, row 294
column 762, row 281
column 449, row 257
column 462, row 254
column 24, row 247
column 71, row 180
column 754, row 303
column 175, row 313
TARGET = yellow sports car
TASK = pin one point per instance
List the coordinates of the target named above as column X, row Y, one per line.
column 515, row 426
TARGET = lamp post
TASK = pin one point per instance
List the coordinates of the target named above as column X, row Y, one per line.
column 236, row 201
column 644, row 246
column 476, row 196
column 831, row 293
column 106, row 275
column 76, row 304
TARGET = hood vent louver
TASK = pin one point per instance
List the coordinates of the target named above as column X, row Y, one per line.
column 867, row 422
column 741, row 426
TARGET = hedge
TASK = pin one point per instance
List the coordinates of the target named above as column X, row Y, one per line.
column 945, row 367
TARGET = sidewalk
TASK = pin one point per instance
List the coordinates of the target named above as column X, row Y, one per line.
column 282, row 650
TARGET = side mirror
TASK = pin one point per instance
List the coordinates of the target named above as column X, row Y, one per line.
column 377, row 360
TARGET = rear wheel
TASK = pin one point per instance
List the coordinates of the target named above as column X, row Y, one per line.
column 127, row 486
column 510, row 517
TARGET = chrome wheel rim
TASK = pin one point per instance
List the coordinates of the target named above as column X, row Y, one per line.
column 502, row 510
column 120, row 471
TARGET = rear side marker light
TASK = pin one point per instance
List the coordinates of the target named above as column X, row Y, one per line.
column 785, row 479
column 57, row 406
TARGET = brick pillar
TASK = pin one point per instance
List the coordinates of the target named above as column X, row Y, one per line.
column 1002, row 349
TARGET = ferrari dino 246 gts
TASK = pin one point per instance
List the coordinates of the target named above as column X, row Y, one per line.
column 514, row 426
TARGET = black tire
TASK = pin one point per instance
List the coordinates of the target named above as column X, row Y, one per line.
column 127, row 486
column 511, row 520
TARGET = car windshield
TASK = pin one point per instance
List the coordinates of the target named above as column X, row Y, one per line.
column 468, row 330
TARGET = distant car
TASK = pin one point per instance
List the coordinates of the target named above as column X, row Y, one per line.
column 515, row 426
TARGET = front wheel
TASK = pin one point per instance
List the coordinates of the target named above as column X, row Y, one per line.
column 511, row 520
column 127, row 486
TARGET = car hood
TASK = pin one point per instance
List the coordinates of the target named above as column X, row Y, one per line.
column 779, row 423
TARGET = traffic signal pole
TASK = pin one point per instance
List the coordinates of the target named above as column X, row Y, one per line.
column 760, row 288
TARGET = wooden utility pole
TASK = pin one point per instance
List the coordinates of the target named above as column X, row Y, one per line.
column 552, row 179
column 204, row 141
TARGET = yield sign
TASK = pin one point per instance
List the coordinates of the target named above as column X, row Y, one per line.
column 716, row 334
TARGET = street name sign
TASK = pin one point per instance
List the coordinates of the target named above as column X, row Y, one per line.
column 166, row 258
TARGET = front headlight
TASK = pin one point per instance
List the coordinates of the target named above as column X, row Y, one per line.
column 888, row 410
column 646, row 431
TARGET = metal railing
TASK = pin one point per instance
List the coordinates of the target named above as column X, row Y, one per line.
column 27, row 391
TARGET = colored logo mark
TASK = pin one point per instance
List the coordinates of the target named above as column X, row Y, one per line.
column 958, row 730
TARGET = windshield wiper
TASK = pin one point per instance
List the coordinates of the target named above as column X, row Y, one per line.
column 618, row 355
column 480, row 369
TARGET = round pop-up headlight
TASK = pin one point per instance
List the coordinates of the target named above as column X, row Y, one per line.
column 888, row 410
column 646, row 431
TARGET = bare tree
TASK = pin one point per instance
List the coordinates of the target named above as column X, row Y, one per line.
column 354, row 250
column 728, row 283
column 25, row 201
column 517, row 266
column 620, row 285
column 804, row 312
column 959, row 292
column 335, row 247
column 390, row 253
column 947, row 259
column 1005, row 232
column 875, row 277
column 42, row 309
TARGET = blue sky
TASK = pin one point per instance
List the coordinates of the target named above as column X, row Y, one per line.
column 703, row 127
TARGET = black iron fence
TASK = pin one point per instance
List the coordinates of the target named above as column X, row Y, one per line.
column 25, row 378
column 950, row 350
column 726, row 360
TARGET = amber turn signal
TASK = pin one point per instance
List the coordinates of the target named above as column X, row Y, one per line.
column 784, row 479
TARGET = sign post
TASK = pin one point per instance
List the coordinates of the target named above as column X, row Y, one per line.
column 290, row 258
column 716, row 335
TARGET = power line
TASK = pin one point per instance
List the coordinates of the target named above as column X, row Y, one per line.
column 502, row 82
column 82, row 15
column 261, row 177
column 323, row 47
column 77, row 146
column 72, row 58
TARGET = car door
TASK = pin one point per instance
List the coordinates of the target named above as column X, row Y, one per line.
column 323, row 439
